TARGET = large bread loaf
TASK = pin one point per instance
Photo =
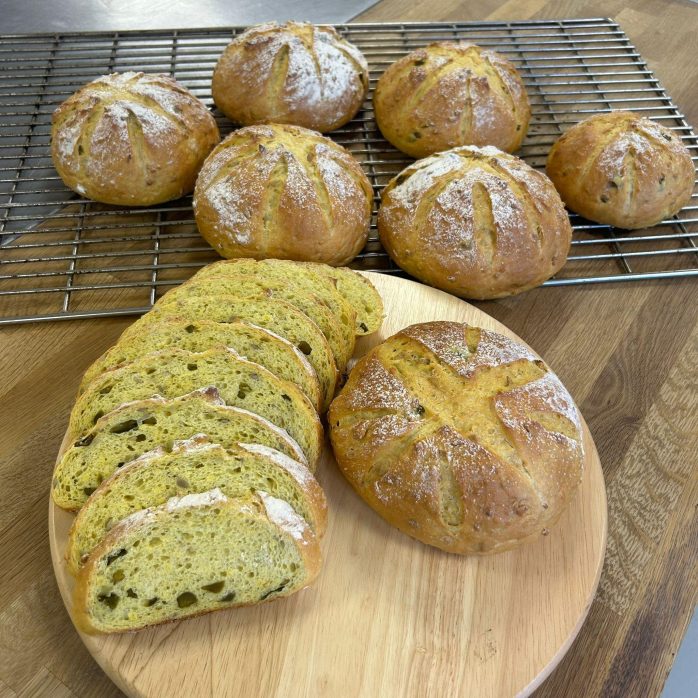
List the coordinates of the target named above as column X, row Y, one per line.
column 459, row 437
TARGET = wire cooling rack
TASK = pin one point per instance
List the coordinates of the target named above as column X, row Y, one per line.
column 65, row 257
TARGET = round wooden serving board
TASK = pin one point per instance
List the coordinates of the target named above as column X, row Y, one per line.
column 388, row 616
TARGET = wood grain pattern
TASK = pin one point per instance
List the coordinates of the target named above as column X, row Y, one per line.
column 482, row 626
column 615, row 347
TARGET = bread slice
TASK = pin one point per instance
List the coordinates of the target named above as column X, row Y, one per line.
column 271, row 314
column 297, row 277
column 357, row 291
column 173, row 372
column 253, row 343
column 192, row 555
column 138, row 427
column 341, row 342
column 360, row 292
column 195, row 465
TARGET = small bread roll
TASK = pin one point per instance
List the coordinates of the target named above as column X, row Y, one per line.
column 459, row 437
column 286, row 192
column 475, row 222
column 132, row 139
column 449, row 94
column 622, row 169
column 294, row 73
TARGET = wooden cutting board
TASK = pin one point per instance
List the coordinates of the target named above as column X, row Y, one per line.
column 388, row 616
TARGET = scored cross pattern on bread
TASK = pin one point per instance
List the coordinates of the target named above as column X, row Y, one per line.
column 475, row 222
column 449, row 94
column 290, row 73
column 283, row 192
column 459, row 436
column 132, row 139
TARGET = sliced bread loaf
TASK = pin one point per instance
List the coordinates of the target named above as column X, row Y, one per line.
column 354, row 287
column 192, row 555
column 195, row 465
column 297, row 277
column 174, row 372
column 340, row 341
column 253, row 343
column 271, row 314
column 360, row 292
column 138, row 427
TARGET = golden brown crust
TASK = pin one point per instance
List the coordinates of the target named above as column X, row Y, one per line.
column 459, row 437
column 449, row 94
column 132, row 139
column 475, row 222
column 622, row 169
column 294, row 73
column 286, row 192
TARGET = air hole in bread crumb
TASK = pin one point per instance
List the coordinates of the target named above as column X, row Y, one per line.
column 88, row 490
column 189, row 329
column 305, row 347
column 192, row 367
column 215, row 587
column 123, row 427
column 278, row 589
column 230, row 596
column 115, row 556
column 117, row 576
column 96, row 418
column 131, row 594
column 106, row 391
column 286, row 397
column 111, row 600
column 243, row 391
column 141, row 437
column 85, row 441
column 186, row 599
column 149, row 602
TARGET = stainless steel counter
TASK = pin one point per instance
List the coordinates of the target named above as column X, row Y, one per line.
column 20, row 16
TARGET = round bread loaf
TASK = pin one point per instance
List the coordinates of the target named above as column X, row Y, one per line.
column 132, row 139
column 294, row 73
column 449, row 94
column 286, row 192
column 622, row 169
column 475, row 222
column 459, row 437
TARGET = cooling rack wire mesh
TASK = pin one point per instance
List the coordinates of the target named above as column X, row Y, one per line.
column 65, row 257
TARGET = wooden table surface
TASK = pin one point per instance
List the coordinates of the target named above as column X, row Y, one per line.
column 627, row 352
